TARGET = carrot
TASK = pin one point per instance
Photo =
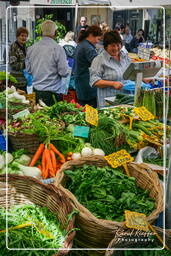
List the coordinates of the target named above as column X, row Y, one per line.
column 53, row 159
column 37, row 154
column 48, row 158
column 44, row 164
column 62, row 158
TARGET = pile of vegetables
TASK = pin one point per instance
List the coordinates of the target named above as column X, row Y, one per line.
column 16, row 161
column 14, row 96
column 49, row 164
column 107, row 192
column 39, row 228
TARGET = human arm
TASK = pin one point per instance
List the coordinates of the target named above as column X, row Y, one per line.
column 97, row 73
column 62, row 65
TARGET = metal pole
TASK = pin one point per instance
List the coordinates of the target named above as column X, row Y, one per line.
column 168, row 183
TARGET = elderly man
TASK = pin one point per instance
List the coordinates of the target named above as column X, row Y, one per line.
column 46, row 61
column 82, row 26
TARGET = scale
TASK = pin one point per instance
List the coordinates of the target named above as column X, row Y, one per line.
column 136, row 71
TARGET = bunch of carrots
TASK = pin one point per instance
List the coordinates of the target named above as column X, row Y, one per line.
column 49, row 163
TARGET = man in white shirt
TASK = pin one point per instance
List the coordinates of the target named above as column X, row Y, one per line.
column 46, row 61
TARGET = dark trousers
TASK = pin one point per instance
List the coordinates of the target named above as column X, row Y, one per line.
column 49, row 98
column 92, row 102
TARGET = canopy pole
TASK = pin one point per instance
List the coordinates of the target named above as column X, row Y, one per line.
column 76, row 16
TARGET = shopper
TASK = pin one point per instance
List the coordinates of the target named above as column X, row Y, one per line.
column 46, row 61
column 68, row 39
column 84, row 54
column 82, row 26
column 106, row 72
column 17, row 54
column 138, row 38
column 127, row 38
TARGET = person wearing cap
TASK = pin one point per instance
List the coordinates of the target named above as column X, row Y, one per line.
column 46, row 61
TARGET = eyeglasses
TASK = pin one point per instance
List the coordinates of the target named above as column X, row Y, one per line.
column 83, row 20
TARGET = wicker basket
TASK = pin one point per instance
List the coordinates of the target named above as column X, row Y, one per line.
column 29, row 142
column 115, row 243
column 27, row 190
column 97, row 233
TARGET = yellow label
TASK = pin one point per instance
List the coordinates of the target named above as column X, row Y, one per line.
column 143, row 113
column 152, row 139
column 136, row 220
column 119, row 158
column 91, row 115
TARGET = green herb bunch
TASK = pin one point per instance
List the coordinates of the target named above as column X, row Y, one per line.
column 107, row 192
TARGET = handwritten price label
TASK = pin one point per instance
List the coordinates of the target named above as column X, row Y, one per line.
column 119, row 158
column 153, row 140
column 143, row 113
column 91, row 115
column 136, row 220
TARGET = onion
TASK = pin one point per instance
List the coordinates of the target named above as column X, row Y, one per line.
column 98, row 152
column 86, row 151
column 76, row 156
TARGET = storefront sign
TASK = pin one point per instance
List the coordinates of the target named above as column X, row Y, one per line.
column 119, row 158
column 143, row 113
column 53, row 2
column 91, row 115
column 136, row 220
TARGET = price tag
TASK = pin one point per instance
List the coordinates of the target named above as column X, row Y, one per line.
column 91, row 115
column 119, row 158
column 81, row 131
column 22, row 113
column 143, row 113
column 152, row 139
column 136, row 220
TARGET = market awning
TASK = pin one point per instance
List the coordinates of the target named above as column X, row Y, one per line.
column 139, row 3
column 94, row 2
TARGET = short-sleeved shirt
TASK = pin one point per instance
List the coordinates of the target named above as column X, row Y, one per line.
column 105, row 67
column 46, row 61
column 84, row 54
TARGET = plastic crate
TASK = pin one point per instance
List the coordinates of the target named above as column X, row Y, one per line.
column 70, row 96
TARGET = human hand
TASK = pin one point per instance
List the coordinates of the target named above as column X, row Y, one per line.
column 117, row 85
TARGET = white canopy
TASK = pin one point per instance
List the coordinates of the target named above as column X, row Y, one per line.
column 139, row 3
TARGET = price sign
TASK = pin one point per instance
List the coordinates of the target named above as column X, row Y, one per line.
column 119, row 158
column 91, row 115
column 152, row 139
column 22, row 113
column 143, row 113
column 136, row 220
column 81, row 131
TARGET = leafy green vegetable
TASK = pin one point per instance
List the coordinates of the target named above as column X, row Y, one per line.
column 107, row 192
column 45, row 231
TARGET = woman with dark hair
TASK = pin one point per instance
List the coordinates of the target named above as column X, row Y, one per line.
column 17, row 54
column 84, row 54
column 138, row 38
column 106, row 72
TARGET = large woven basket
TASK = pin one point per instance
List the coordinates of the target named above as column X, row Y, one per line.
column 97, row 233
column 27, row 190
column 29, row 142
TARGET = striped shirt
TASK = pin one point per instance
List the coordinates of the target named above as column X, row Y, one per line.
column 105, row 67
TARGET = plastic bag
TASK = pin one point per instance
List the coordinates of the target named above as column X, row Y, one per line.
column 28, row 77
column 65, row 82
column 146, row 152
